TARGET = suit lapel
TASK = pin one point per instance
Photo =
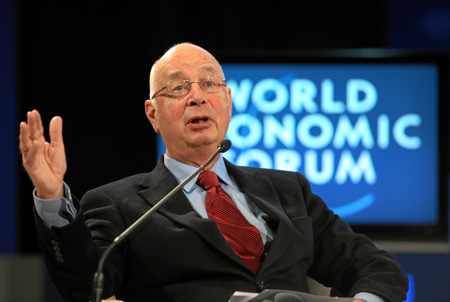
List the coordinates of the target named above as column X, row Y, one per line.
column 160, row 182
column 259, row 189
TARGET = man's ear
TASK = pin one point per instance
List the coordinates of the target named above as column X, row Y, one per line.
column 150, row 112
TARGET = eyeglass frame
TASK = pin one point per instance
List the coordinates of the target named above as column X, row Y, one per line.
column 224, row 83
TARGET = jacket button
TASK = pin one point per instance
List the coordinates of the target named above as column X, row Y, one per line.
column 260, row 284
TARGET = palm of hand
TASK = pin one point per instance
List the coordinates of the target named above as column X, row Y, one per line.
column 45, row 162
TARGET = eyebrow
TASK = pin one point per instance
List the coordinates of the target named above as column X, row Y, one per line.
column 208, row 69
column 176, row 75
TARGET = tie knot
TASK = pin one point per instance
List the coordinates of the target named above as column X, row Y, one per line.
column 208, row 179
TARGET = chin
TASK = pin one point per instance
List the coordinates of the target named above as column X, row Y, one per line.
column 205, row 142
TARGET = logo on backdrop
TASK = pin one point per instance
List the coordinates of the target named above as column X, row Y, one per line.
column 297, row 124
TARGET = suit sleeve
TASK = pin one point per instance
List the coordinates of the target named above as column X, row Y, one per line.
column 72, row 252
column 347, row 260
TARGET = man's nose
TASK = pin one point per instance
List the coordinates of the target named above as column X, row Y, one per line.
column 196, row 95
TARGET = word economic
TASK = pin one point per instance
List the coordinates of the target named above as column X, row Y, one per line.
column 273, row 120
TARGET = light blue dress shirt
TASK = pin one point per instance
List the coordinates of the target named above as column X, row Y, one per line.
column 55, row 212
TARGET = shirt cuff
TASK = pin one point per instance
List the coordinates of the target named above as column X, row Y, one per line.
column 56, row 212
column 368, row 297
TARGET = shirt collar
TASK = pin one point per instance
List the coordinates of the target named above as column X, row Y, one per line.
column 182, row 171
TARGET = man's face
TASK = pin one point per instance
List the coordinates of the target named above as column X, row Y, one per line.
column 198, row 119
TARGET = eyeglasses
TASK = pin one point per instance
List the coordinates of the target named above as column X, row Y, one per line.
column 176, row 89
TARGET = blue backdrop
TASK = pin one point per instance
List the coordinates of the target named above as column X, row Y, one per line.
column 363, row 135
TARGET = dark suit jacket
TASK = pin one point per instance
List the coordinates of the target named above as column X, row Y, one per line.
column 178, row 256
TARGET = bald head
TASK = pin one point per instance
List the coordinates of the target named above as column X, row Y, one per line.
column 183, row 52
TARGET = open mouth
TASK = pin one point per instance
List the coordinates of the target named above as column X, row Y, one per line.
column 199, row 120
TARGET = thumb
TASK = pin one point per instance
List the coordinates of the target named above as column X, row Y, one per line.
column 55, row 130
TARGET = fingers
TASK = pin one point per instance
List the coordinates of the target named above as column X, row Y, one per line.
column 35, row 124
column 32, row 137
column 24, row 138
column 33, row 129
column 30, row 131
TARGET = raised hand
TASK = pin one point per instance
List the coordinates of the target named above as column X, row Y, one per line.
column 45, row 162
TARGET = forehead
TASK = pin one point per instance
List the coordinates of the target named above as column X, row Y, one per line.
column 188, row 73
column 187, row 64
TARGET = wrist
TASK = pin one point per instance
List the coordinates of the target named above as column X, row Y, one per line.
column 43, row 194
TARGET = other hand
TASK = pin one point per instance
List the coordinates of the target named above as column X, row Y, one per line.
column 45, row 162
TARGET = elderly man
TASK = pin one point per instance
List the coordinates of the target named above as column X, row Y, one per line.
column 229, row 229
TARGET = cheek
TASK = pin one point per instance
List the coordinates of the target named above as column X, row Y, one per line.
column 171, row 116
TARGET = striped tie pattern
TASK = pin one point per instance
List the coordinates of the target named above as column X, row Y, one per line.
column 242, row 236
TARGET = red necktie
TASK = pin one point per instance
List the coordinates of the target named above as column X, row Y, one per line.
column 242, row 236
